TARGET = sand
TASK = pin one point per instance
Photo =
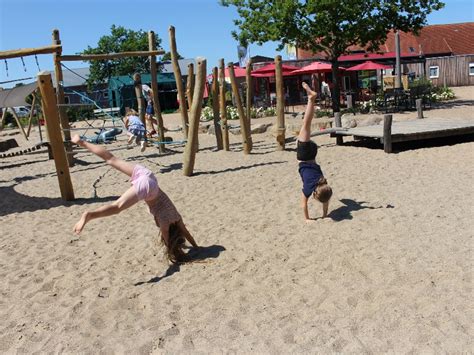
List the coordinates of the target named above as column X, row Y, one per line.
column 389, row 272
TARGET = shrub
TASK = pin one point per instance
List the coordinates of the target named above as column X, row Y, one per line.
column 207, row 114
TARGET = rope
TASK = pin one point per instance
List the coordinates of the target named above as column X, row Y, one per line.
column 37, row 64
column 6, row 67
column 94, row 185
column 24, row 66
column 12, row 81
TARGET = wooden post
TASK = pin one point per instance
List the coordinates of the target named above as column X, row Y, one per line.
column 387, row 133
column 195, row 114
column 280, row 107
column 33, row 103
column 215, row 108
column 349, row 102
column 190, row 85
column 419, row 108
column 222, row 105
column 4, row 114
column 18, row 123
column 51, row 115
column 154, row 89
column 137, row 83
column 238, row 102
column 338, row 123
column 58, row 74
column 248, row 101
column 179, row 81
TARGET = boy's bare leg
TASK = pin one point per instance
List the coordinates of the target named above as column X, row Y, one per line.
column 305, row 131
column 101, row 152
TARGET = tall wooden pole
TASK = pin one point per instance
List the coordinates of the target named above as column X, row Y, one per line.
column 280, row 104
column 179, row 81
column 58, row 73
column 154, row 89
column 223, row 110
column 30, row 120
column 195, row 114
column 398, row 68
column 246, row 139
column 190, row 85
column 137, row 83
column 215, row 108
column 248, row 96
column 51, row 115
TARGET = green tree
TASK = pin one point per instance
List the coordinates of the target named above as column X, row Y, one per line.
column 119, row 40
column 331, row 26
column 167, row 56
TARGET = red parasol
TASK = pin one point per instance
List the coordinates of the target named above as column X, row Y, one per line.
column 269, row 70
column 369, row 65
column 315, row 67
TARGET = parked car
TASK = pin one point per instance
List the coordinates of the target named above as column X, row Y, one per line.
column 21, row 111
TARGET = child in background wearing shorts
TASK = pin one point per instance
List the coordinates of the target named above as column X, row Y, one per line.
column 136, row 129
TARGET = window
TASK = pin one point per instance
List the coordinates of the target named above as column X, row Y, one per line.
column 106, row 95
column 66, row 100
column 434, row 71
column 471, row 69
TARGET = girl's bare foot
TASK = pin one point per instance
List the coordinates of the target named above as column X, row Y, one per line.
column 311, row 94
column 80, row 225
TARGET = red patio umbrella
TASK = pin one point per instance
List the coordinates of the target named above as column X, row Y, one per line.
column 269, row 70
column 369, row 65
column 315, row 67
column 238, row 71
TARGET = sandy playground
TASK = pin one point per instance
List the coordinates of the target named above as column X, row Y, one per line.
column 389, row 272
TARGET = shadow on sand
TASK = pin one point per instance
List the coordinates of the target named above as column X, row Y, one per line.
column 345, row 212
column 15, row 202
column 194, row 255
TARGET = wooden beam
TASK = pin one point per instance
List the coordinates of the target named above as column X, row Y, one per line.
column 215, row 108
column 24, row 52
column 137, row 83
column 238, row 102
column 222, row 106
column 58, row 73
column 179, row 82
column 280, row 109
column 107, row 56
column 195, row 114
column 154, row 89
column 51, row 114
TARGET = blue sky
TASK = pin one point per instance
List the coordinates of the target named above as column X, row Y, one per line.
column 203, row 27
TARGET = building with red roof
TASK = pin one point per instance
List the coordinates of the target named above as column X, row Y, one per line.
column 446, row 53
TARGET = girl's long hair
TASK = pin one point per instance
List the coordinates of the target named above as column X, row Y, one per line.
column 174, row 250
column 323, row 191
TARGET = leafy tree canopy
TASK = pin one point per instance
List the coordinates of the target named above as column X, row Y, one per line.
column 328, row 25
column 119, row 40
column 331, row 26
column 167, row 56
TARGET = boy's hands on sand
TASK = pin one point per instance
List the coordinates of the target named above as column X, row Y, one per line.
column 75, row 139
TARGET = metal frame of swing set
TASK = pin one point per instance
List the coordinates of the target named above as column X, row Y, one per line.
column 53, row 103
